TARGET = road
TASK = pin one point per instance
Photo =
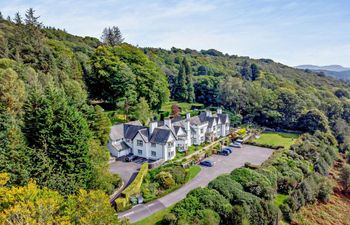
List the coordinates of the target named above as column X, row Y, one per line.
column 223, row 164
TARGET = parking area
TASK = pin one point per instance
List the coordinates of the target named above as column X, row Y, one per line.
column 126, row 170
column 223, row 165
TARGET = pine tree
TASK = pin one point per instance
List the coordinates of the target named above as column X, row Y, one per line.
column 58, row 130
column 18, row 18
column 112, row 36
column 32, row 20
column 9, row 18
column 1, row 16
column 14, row 156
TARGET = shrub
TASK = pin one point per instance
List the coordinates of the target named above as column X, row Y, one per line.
column 253, row 182
column 345, row 178
column 169, row 219
column 324, row 191
column 135, row 187
column 211, row 199
column 286, row 212
column 207, row 217
column 226, row 186
column 165, row 180
column 178, row 174
column 242, row 131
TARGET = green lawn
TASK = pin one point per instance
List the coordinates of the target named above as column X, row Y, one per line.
column 277, row 139
column 154, row 219
column 185, row 106
column 193, row 172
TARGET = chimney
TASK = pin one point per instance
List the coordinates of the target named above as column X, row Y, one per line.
column 167, row 122
column 219, row 111
column 152, row 126
column 208, row 113
column 188, row 116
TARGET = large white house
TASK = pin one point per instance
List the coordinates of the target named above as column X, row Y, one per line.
column 162, row 138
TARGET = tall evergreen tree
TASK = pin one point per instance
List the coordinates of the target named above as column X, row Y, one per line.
column 255, row 71
column 31, row 19
column 189, row 81
column 58, row 130
column 18, row 18
column 1, row 16
column 181, row 87
column 112, row 36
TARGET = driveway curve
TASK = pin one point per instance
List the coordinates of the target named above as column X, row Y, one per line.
column 223, row 165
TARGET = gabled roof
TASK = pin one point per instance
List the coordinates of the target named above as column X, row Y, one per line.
column 130, row 131
column 178, row 128
column 161, row 135
column 223, row 118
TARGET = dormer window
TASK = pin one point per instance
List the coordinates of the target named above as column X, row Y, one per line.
column 139, row 143
column 171, row 144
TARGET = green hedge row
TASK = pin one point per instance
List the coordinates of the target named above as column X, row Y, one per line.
column 134, row 188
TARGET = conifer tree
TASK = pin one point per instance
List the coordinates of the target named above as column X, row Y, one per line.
column 112, row 36
column 1, row 16
column 18, row 18
column 181, row 87
column 189, row 81
column 58, row 130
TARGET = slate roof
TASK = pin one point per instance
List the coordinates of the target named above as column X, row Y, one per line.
column 130, row 131
column 223, row 118
column 160, row 135
column 119, row 131
column 120, row 146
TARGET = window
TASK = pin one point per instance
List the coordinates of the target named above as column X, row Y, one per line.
column 202, row 138
column 171, row 144
column 169, row 154
column 202, row 131
column 139, row 152
column 153, row 153
column 139, row 143
column 153, row 145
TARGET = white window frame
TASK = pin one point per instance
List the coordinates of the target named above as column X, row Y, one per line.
column 138, row 151
column 154, row 153
column 139, row 143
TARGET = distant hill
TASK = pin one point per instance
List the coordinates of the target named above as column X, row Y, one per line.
column 336, row 71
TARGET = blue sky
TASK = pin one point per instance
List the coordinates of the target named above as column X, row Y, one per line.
column 291, row 32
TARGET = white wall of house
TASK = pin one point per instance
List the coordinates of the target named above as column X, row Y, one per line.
column 199, row 134
column 169, row 148
column 156, row 151
column 138, row 149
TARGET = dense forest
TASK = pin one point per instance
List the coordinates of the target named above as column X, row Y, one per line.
column 53, row 129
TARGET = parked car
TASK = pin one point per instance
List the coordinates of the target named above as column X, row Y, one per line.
column 223, row 152
column 130, row 157
column 207, row 162
column 236, row 145
column 228, row 149
column 239, row 141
